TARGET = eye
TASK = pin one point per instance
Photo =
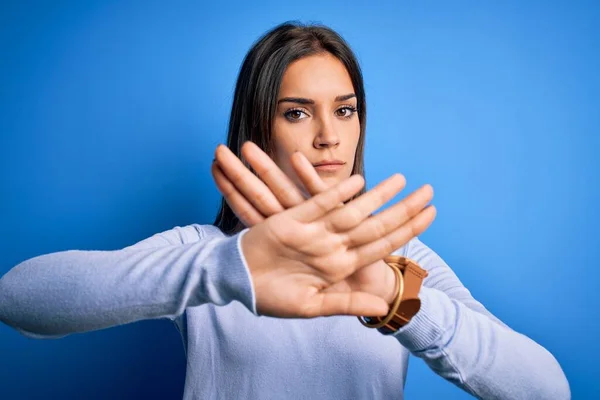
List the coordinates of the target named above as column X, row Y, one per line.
column 295, row 114
column 345, row 111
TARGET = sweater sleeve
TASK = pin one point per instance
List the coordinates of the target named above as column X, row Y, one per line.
column 465, row 344
column 74, row 291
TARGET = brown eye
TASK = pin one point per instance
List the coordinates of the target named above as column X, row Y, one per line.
column 345, row 112
column 295, row 115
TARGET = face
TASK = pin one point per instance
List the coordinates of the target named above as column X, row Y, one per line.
column 316, row 115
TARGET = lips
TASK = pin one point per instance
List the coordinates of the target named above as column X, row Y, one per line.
column 329, row 166
column 328, row 162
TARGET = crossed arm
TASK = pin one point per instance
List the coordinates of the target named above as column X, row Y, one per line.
column 453, row 333
column 253, row 199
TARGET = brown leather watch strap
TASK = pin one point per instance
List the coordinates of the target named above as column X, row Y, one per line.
column 410, row 304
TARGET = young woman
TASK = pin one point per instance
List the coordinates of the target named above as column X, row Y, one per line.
column 249, row 295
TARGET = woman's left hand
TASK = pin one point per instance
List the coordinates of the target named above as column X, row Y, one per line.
column 253, row 199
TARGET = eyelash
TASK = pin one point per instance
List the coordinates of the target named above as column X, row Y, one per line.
column 287, row 114
column 352, row 109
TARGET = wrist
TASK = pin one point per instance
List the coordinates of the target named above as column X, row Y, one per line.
column 391, row 284
column 251, row 250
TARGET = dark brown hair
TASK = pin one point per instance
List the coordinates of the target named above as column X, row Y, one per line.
column 257, row 90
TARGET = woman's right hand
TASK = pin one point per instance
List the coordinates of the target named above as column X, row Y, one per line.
column 300, row 258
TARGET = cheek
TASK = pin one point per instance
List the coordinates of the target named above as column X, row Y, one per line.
column 290, row 137
column 352, row 143
column 284, row 145
column 352, row 135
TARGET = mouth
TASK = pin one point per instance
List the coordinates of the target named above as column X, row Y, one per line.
column 329, row 165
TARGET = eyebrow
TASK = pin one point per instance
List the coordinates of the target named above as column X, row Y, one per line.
column 302, row 100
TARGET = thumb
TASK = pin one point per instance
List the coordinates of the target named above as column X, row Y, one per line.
column 347, row 303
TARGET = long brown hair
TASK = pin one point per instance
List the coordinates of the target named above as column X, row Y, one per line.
column 257, row 90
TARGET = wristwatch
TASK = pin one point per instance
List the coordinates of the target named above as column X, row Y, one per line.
column 412, row 276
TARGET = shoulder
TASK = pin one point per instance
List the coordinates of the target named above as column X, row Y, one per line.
column 427, row 259
column 416, row 249
column 409, row 248
column 179, row 235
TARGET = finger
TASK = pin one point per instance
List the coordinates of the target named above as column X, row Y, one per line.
column 245, row 211
column 390, row 219
column 307, row 174
column 355, row 212
column 319, row 205
column 349, row 303
column 286, row 192
column 248, row 184
column 378, row 249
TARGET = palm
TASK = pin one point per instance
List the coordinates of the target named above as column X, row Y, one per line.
column 294, row 274
column 369, row 279
column 321, row 266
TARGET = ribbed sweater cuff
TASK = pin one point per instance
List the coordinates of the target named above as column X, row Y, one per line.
column 426, row 328
column 235, row 280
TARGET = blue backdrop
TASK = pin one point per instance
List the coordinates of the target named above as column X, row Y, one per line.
column 110, row 112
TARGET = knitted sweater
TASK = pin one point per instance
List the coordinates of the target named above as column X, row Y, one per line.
column 197, row 277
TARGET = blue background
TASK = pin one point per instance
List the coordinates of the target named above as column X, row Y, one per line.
column 110, row 112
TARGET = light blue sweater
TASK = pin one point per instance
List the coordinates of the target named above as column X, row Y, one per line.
column 197, row 277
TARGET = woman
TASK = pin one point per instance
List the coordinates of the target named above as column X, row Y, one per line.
column 300, row 99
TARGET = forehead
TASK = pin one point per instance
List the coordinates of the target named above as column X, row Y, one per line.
column 320, row 76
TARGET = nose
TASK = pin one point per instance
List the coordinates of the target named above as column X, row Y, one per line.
column 326, row 136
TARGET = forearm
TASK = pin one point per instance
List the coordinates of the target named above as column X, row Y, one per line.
column 75, row 291
column 486, row 359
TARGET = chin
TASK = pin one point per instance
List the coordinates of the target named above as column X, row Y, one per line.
column 331, row 180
